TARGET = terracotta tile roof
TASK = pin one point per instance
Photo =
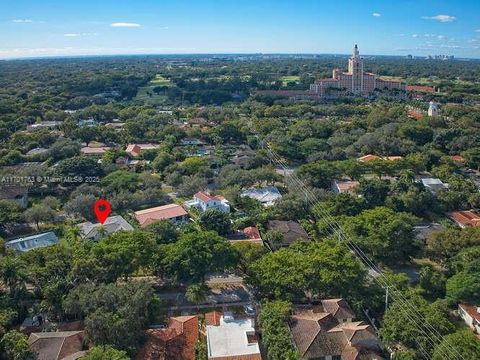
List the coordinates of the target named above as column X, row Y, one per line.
column 415, row 115
column 55, row 345
column 368, row 157
column 471, row 310
column 419, row 88
column 177, row 341
column 465, row 218
column 166, row 212
column 343, row 186
column 458, row 158
column 205, row 197
column 252, row 233
column 136, row 149
column 213, row 318
column 326, row 331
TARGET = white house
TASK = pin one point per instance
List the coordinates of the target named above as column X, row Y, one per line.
column 471, row 315
column 434, row 185
column 232, row 338
column 267, row 196
column 203, row 202
column 87, row 122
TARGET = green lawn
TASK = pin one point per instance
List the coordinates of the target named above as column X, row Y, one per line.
column 290, row 78
column 159, row 80
column 148, row 96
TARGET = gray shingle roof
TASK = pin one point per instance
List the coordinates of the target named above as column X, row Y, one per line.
column 33, row 242
column 111, row 225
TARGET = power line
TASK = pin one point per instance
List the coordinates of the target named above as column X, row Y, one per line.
column 431, row 335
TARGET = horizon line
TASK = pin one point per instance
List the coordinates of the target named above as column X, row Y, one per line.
column 73, row 56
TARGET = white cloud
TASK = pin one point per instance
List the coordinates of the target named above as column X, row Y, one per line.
column 440, row 18
column 71, row 35
column 124, row 24
column 22, row 21
column 376, row 14
column 415, row 35
column 441, row 37
column 478, row 30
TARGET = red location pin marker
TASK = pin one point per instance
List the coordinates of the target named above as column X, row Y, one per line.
column 102, row 209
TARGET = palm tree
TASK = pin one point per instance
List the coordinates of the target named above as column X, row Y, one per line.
column 12, row 273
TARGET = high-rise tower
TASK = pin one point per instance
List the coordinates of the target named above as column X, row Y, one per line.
column 355, row 68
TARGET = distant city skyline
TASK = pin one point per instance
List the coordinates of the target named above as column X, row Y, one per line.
column 37, row 28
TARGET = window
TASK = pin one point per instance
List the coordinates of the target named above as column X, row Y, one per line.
column 337, row 357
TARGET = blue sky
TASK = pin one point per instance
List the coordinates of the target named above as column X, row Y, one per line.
column 87, row 27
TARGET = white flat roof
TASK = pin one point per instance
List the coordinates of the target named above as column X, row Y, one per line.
column 230, row 338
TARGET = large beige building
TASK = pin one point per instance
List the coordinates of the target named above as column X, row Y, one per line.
column 355, row 81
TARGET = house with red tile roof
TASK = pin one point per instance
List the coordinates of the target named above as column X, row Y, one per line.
column 368, row 157
column 471, row 315
column 203, row 202
column 420, row 88
column 177, row 341
column 416, row 115
column 213, row 318
column 249, row 234
column 135, row 150
column 328, row 331
column 458, row 158
column 465, row 218
column 340, row 187
column 172, row 212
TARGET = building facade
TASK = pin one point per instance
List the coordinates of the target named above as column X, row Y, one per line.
column 355, row 81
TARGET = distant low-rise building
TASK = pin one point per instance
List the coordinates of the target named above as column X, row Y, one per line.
column 368, row 157
column 171, row 212
column 111, row 225
column 471, row 315
column 203, row 202
column 433, row 109
column 37, row 151
column 434, row 185
column 267, row 195
column 32, row 242
column 45, row 125
column 87, row 122
column 15, row 193
column 328, row 331
column 135, row 150
column 57, row 345
column 291, row 231
column 94, row 151
column 175, row 342
column 191, row 141
column 230, row 338
column 340, row 187
column 465, row 219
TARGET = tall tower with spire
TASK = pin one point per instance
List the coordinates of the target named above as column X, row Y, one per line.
column 355, row 68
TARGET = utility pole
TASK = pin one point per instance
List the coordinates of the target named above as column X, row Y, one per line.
column 387, row 287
